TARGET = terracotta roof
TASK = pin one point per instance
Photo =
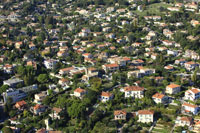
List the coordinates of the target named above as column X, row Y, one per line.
column 41, row 130
column 173, row 86
column 190, row 63
column 21, row 103
column 67, row 69
column 79, row 90
column 158, row 95
column 106, row 94
column 197, row 123
column 186, row 119
column 189, row 105
column 91, row 69
column 57, row 110
column 55, row 131
column 133, row 88
column 118, row 112
column 195, row 90
column 37, row 106
column 145, row 112
column 64, row 80
column 111, row 65
column 126, row 58
column 86, row 54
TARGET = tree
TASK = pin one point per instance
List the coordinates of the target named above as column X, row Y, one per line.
column 76, row 109
column 47, row 100
column 7, row 130
column 42, row 78
column 3, row 88
column 95, row 83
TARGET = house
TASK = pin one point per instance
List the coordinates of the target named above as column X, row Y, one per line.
column 191, row 65
column 172, row 52
column 184, row 121
column 170, row 68
column 154, row 56
column 20, row 105
column 168, row 33
column 192, row 94
column 79, row 92
column 196, row 128
column 66, row 70
column 106, row 96
column 147, row 71
column 134, row 91
column 18, row 45
column 173, row 89
column 40, row 97
column 63, row 82
column 121, row 61
column 110, row 67
column 120, row 114
column 137, row 62
column 50, row 64
column 168, row 43
column 137, row 44
column 180, row 61
column 87, row 55
column 16, row 95
column 38, row 109
column 7, row 68
column 190, row 108
column 55, row 113
column 173, row 9
column 146, row 116
column 194, row 23
column 32, row 64
column 90, row 73
column 32, row 46
column 62, row 53
column 160, row 98
column 13, row 82
column 136, row 74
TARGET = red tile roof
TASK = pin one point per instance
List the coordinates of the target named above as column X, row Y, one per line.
column 79, row 90
column 189, row 105
column 111, row 65
column 158, row 95
column 106, row 94
column 133, row 88
column 145, row 112
column 118, row 112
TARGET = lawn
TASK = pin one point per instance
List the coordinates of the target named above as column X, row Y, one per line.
column 153, row 9
column 160, row 130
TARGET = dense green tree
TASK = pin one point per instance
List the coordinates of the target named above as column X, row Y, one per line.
column 43, row 78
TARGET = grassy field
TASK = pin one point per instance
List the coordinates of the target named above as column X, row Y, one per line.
column 161, row 129
column 153, row 9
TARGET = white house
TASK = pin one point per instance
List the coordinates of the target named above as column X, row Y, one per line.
column 120, row 114
column 190, row 108
column 173, row 89
column 50, row 64
column 106, row 96
column 110, row 67
column 191, row 65
column 160, row 98
column 192, row 94
column 145, row 116
column 134, row 91
column 79, row 92
column 184, row 121
column 16, row 95
column 172, row 52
